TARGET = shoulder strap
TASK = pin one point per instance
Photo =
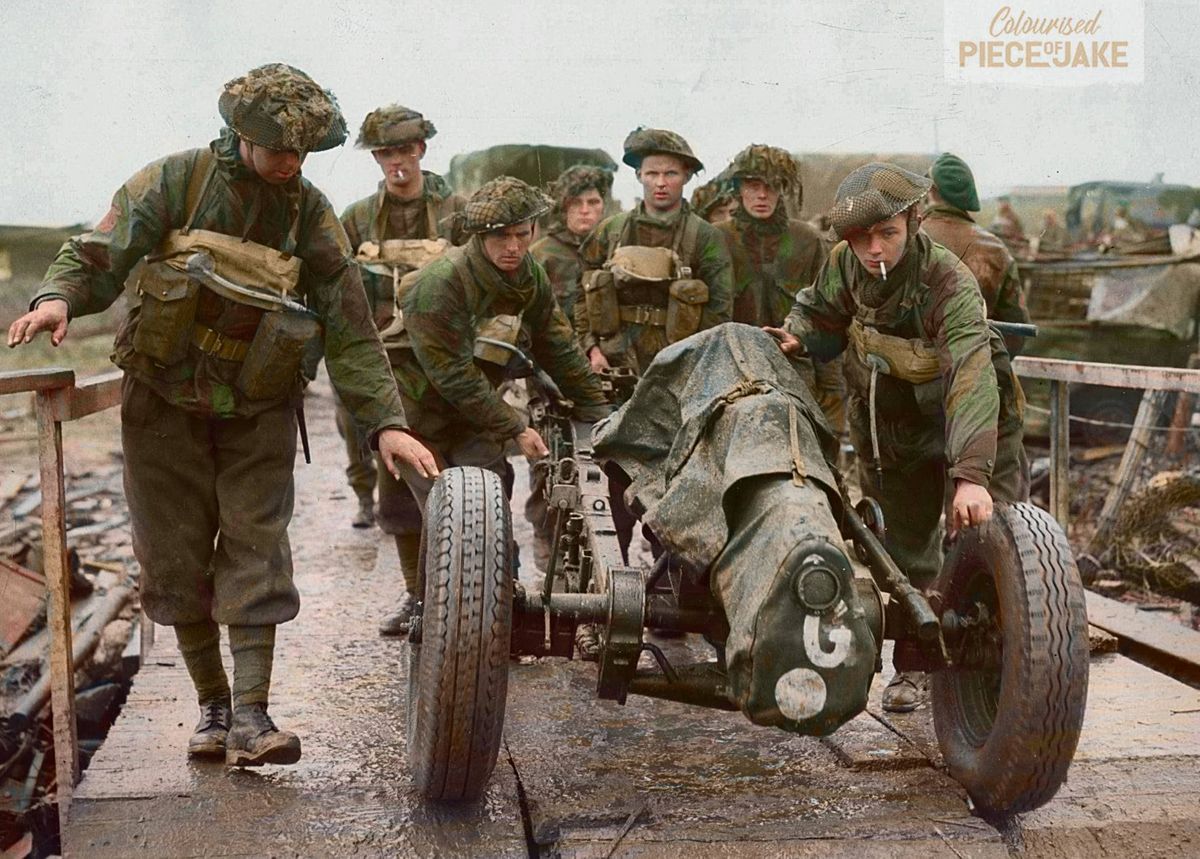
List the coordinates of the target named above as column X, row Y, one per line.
column 202, row 173
column 687, row 238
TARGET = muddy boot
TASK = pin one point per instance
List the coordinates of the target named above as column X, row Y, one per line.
column 398, row 622
column 211, row 730
column 587, row 642
column 254, row 740
column 365, row 517
column 905, row 693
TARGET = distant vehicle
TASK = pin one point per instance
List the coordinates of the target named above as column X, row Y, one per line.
column 1116, row 308
column 536, row 164
column 1092, row 206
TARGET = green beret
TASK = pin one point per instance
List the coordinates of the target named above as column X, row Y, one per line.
column 954, row 182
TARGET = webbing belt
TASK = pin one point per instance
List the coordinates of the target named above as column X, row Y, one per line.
column 221, row 345
column 644, row 314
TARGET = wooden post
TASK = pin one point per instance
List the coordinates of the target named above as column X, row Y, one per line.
column 58, row 611
column 1131, row 461
column 1060, row 452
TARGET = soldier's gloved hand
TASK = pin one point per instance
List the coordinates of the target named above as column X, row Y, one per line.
column 399, row 446
column 972, row 505
column 531, row 444
column 597, row 360
column 789, row 344
column 50, row 315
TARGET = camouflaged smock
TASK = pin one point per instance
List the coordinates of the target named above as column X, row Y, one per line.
column 773, row 259
column 987, row 258
column 452, row 393
column 90, row 272
column 636, row 344
column 558, row 254
column 382, row 216
column 930, row 296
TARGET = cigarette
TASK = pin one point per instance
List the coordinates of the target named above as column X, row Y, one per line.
column 882, row 270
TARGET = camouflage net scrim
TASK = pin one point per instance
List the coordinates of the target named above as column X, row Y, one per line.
column 772, row 165
column 874, row 193
column 278, row 106
column 501, row 203
column 392, row 126
column 658, row 141
column 577, row 179
column 710, row 195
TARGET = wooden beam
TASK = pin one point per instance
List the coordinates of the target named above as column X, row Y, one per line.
column 1060, row 453
column 1111, row 375
column 1145, row 636
column 58, row 609
column 22, row 381
column 94, row 394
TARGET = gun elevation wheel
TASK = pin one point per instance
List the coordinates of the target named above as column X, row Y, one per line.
column 458, row 673
column 1008, row 715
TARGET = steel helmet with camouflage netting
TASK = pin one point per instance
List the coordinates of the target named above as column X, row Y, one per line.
column 501, row 203
column 279, row 107
column 658, row 141
column 579, row 178
column 772, row 165
column 874, row 193
column 393, row 125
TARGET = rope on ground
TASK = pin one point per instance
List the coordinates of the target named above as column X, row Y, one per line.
column 1093, row 422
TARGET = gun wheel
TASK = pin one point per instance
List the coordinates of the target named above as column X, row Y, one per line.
column 458, row 670
column 1008, row 720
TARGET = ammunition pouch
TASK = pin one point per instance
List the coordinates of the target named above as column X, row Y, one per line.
column 914, row 361
column 167, row 314
column 684, row 308
column 600, row 302
column 506, row 328
column 274, row 357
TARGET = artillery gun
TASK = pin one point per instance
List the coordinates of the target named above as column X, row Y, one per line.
column 796, row 626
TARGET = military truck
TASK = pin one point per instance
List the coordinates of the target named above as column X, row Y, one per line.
column 536, row 164
column 730, row 464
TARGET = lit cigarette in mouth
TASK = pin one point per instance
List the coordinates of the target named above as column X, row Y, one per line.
column 882, row 270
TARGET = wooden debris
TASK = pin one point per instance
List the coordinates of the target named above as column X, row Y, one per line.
column 24, row 595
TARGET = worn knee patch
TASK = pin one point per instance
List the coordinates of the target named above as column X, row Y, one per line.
column 253, row 649
column 200, row 646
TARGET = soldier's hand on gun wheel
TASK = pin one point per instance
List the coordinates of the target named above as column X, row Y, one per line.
column 789, row 344
column 50, row 315
column 531, row 444
column 396, row 445
column 972, row 505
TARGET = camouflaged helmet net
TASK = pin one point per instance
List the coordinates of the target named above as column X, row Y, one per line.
column 392, row 126
column 502, row 202
column 280, row 107
column 710, row 195
column 772, row 165
column 651, row 141
column 579, row 178
column 874, row 193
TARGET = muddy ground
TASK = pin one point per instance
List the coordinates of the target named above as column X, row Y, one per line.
column 574, row 771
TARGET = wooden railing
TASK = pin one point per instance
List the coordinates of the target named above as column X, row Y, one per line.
column 57, row 399
column 1061, row 374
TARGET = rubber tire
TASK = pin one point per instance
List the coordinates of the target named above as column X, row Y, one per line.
column 458, row 673
column 1011, row 751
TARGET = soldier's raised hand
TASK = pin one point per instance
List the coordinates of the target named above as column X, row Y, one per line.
column 50, row 315
column 399, row 446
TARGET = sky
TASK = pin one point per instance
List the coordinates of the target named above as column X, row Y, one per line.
column 95, row 90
